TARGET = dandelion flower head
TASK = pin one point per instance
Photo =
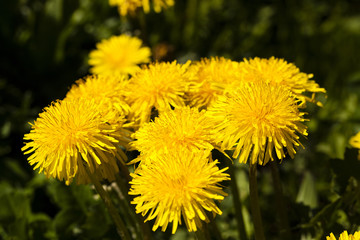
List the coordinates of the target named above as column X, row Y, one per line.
column 70, row 135
column 100, row 87
column 178, row 185
column 278, row 71
column 175, row 131
column 209, row 79
column 130, row 6
column 158, row 5
column 118, row 55
column 345, row 236
column 257, row 118
column 126, row 7
column 160, row 86
column 355, row 142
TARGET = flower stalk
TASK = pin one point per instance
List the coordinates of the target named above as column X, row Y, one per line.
column 254, row 204
column 285, row 232
column 202, row 233
column 143, row 229
column 213, row 228
column 237, row 202
column 120, row 225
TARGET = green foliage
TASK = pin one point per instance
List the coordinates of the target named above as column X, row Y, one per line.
column 16, row 217
column 44, row 48
column 79, row 213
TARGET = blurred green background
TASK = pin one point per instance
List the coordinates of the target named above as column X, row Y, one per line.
column 44, row 46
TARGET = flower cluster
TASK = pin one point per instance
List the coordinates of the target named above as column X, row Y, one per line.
column 174, row 114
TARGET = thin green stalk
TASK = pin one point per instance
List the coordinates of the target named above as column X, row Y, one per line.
column 214, row 230
column 203, row 233
column 142, row 22
column 120, row 225
column 191, row 13
column 285, row 231
column 254, row 204
column 123, row 168
column 124, row 193
column 237, row 202
column 124, row 188
column 127, row 212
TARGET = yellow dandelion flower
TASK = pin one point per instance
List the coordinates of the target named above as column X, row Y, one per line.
column 157, row 5
column 279, row 72
column 160, row 86
column 175, row 131
column 118, row 55
column 355, row 142
column 257, row 118
column 71, row 134
column 178, row 185
column 100, row 87
column 345, row 236
column 130, row 6
column 126, row 7
column 209, row 79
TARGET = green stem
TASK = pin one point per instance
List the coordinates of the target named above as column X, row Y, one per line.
column 124, row 170
column 127, row 213
column 202, row 233
column 254, row 204
column 120, row 225
column 191, row 13
column 285, row 232
column 124, row 188
column 138, row 218
column 214, row 230
column 237, row 202
column 142, row 22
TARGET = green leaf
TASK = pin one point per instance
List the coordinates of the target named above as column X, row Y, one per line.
column 40, row 226
column 15, row 210
column 73, row 195
column 97, row 222
column 15, row 204
column 325, row 213
column 307, row 193
column 67, row 222
column 16, row 169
